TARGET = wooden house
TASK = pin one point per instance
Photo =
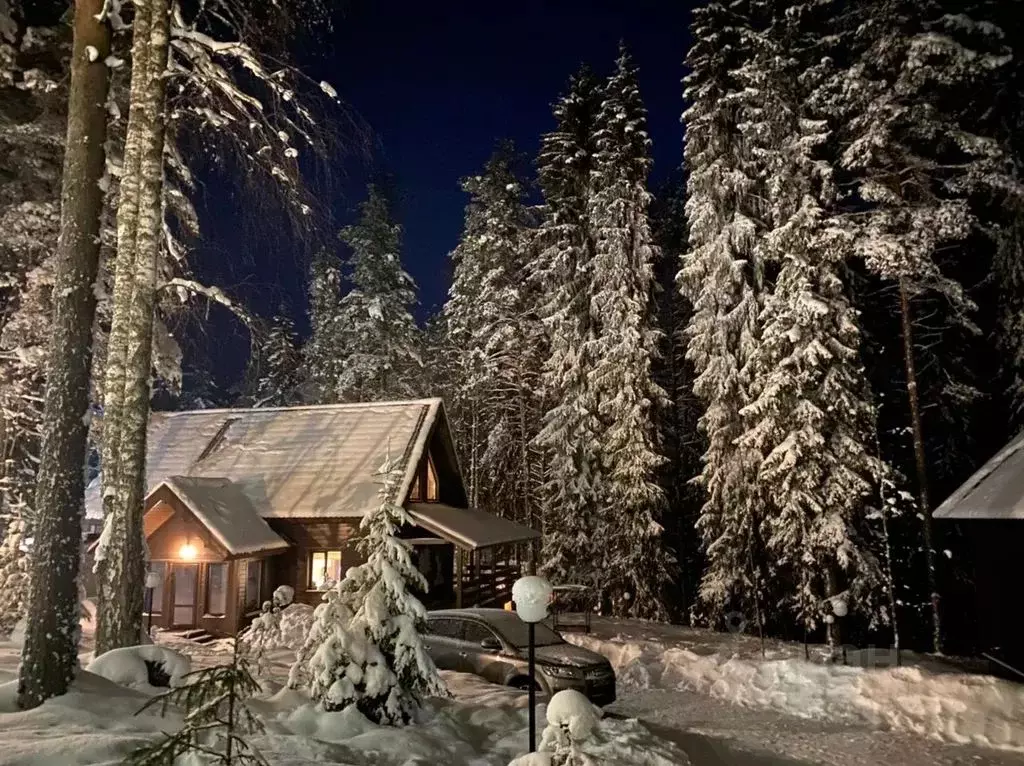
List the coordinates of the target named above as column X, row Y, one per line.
column 242, row 501
column 990, row 509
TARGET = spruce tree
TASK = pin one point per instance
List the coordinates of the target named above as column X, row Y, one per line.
column 322, row 353
column 365, row 647
column 378, row 333
column 217, row 722
column 812, row 418
column 621, row 347
column 495, row 339
column 723, row 278
column 571, row 429
column 277, row 374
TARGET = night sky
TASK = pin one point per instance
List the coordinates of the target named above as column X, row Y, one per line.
column 438, row 84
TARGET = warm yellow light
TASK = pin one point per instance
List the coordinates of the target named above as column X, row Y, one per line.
column 187, row 552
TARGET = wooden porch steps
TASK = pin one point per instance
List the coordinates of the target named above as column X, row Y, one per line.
column 197, row 636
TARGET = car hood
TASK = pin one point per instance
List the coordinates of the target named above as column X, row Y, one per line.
column 568, row 654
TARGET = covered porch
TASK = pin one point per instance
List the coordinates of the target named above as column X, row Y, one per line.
column 490, row 552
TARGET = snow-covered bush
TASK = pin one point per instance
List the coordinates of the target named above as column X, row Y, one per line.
column 280, row 625
column 296, row 622
column 364, row 647
column 572, row 724
column 133, row 666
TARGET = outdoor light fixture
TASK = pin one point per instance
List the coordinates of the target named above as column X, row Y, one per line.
column 531, row 595
column 153, row 580
column 187, row 552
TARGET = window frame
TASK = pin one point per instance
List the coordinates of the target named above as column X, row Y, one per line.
column 311, row 555
column 207, row 611
column 468, row 624
column 426, row 484
column 259, row 588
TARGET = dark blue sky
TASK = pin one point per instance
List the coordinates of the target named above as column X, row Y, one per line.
column 438, row 84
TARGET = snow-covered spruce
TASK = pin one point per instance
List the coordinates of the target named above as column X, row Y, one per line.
column 621, row 346
column 723, row 278
column 496, row 345
column 377, row 333
column 571, row 429
column 364, row 648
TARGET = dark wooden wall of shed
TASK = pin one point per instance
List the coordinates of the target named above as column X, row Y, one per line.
column 292, row 567
column 998, row 547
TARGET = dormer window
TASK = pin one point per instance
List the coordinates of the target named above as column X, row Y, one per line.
column 425, row 477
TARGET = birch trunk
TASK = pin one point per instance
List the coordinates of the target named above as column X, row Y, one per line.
column 50, row 652
column 122, row 566
column 920, row 463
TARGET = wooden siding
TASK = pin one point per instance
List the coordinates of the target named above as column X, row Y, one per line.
column 177, row 530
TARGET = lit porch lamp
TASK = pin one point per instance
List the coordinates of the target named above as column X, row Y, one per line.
column 188, row 551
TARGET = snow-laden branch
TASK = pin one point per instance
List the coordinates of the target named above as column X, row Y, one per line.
column 187, row 287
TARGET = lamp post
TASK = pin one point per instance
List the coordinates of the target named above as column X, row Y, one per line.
column 153, row 580
column 531, row 595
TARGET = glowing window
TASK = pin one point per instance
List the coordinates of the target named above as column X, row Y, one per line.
column 431, row 482
column 325, row 569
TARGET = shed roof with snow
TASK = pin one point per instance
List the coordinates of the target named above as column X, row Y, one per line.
column 994, row 491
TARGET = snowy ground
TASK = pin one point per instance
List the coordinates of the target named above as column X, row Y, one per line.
column 484, row 725
column 714, row 694
column 682, row 684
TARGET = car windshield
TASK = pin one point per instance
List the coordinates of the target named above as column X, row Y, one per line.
column 516, row 632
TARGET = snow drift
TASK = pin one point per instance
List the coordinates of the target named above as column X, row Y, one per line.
column 953, row 707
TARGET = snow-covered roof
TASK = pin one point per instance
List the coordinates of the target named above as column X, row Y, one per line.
column 226, row 512
column 469, row 527
column 290, row 462
column 995, row 491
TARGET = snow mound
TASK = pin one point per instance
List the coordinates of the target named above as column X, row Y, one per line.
column 948, row 706
column 127, row 666
column 570, row 710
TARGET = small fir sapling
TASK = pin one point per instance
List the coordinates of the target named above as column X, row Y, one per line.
column 216, row 719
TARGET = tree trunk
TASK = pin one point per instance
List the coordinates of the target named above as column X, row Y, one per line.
column 50, row 652
column 920, row 462
column 122, row 567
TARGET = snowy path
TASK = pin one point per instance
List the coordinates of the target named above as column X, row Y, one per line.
column 716, row 733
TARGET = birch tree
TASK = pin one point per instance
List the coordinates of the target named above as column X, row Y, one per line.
column 49, row 654
column 121, row 556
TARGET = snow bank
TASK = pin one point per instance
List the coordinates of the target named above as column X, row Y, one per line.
column 949, row 706
column 127, row 666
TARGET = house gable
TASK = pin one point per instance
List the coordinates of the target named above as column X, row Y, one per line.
column 438, row 457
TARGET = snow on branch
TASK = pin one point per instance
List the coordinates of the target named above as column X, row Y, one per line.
column 188, row 287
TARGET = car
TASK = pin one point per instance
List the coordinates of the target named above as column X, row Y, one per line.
column 492, row 643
